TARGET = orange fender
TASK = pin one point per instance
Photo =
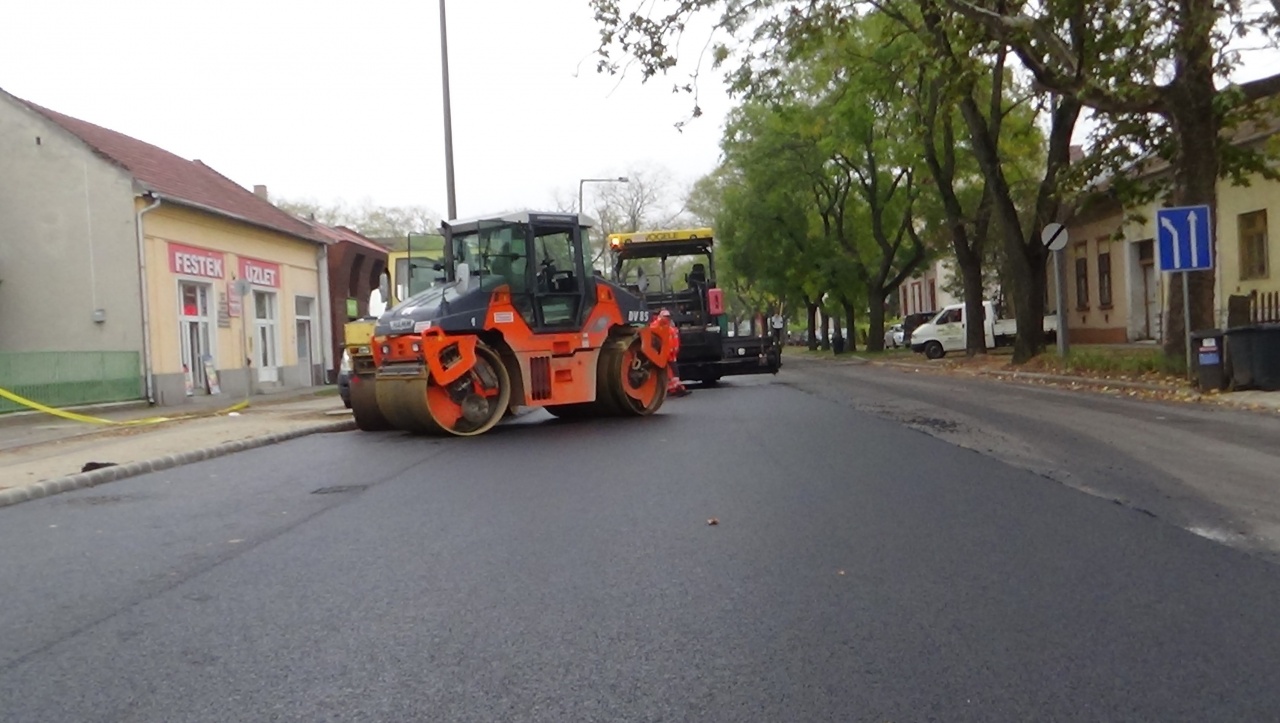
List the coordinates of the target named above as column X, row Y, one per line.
column 435, row 342
column 656, row 343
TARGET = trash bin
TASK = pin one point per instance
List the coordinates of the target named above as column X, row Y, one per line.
column 837, row 345
column 1255, row 357
column 1207, row 359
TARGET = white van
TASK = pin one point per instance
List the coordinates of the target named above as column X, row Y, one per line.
column 945, row 332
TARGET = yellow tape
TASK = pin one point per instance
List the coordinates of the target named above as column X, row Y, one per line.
column 98, row 420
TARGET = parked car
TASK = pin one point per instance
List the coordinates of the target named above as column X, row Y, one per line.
column 894, row 337
column 344, row 379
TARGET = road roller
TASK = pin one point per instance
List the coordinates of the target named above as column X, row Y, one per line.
column 516, row 318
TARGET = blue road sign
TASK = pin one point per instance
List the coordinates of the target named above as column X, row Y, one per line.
column 1184, row 238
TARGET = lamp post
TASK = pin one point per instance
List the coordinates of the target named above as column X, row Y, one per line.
column 448, row 122
column 583, row 182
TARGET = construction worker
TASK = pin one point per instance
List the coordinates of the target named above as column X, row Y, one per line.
column 675, row 387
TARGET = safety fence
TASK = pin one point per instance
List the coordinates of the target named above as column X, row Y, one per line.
column 65, row 379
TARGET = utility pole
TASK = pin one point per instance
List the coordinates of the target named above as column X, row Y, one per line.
column 448, row 117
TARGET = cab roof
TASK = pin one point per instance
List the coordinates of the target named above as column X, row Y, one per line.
column 521, row 217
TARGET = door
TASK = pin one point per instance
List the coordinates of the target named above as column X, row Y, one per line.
column 303, row 339
column 266, row 337
column 194, row 323
column 558, row 280
column 951, row 329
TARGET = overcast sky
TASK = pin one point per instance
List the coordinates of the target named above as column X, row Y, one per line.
column 339, row 100
column 332, row 100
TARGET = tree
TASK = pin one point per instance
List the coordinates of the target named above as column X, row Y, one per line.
column 1172, row 100
column 773, row 32
column 369, row 219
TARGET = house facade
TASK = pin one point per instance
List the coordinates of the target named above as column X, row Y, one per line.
column 113, row 245
column 928, row 290
column 1115, row 290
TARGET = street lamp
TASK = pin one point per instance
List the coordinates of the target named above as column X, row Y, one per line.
column 448, row 122
column 581, row 183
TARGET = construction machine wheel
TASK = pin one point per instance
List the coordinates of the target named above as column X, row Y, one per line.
column 637, row 386
column 468, row 406
column 364, row 405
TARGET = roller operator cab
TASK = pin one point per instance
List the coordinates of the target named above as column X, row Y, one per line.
column 676, row 271
column 515, row 320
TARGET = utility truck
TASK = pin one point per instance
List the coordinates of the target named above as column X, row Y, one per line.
column 945, row 332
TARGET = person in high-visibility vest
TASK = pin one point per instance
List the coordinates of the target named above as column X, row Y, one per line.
column 675, row 387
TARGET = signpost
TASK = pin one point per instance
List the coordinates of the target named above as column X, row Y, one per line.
column 1054, row 238
column 240, row 288
column 1184, row 236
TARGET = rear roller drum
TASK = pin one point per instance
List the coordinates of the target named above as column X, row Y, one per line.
column 638, row 387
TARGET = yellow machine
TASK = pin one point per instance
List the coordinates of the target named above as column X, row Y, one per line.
column 408, row 272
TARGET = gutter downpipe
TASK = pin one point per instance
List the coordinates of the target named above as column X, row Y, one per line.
column 146, row 303
column 325, row 313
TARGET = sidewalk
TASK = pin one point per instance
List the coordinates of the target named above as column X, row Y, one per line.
column 42, row 454
column 993, row 367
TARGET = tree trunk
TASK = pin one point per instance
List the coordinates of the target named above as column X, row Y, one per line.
column 826, row 329
column 971, row 272
column 875, row 337
column 1195, row 169
column 812, row 311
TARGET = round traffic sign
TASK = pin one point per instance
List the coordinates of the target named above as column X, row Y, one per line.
column 1054, row 236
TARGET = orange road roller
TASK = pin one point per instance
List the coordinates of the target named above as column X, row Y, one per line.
column 516, row 318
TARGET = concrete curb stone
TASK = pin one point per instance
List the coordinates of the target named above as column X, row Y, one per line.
column 104, row 475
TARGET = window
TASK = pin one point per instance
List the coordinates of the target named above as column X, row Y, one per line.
column 1104, row 280
column 1082, row 279
column 1253, row 245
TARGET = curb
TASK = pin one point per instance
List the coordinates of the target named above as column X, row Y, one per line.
column 111, row 474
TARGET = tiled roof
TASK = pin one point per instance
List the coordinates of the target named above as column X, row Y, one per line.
column 342, row 234
column 178, row 179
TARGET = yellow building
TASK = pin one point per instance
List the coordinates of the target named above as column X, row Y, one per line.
column 1115, row 290
column 232, row 290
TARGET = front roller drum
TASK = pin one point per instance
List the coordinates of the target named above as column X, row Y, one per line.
column 364, row 405
column 467, row 406
column 635, row 385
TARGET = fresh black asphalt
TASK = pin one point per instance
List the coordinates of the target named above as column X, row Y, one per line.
column 551, row 571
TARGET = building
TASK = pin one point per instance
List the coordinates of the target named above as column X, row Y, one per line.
column 928, row 291
column 113, row 246
column 1115, row 291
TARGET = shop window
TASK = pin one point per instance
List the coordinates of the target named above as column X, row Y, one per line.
column 1253, row 245
column 1104, row 280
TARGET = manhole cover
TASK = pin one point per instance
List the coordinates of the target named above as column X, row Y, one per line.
column 339, row 488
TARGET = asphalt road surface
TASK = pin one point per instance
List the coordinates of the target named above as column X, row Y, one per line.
column 860, row 571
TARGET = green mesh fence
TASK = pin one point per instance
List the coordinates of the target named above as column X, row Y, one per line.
column 69, row 378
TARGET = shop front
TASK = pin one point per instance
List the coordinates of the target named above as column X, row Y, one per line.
column 233, row 308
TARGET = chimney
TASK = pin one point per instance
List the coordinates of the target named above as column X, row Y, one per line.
column 1076, row 155
column 261, row 192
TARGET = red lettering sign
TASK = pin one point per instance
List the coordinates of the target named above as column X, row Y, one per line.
column 260, row 273
column 191, row 261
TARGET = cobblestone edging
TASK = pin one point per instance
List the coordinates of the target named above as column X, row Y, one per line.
column 110, row 474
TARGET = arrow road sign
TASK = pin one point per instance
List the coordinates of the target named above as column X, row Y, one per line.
column 1184, row 236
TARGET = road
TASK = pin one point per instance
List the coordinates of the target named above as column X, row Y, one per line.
column 557, row 571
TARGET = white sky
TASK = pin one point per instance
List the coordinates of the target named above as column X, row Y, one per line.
column 340, row 100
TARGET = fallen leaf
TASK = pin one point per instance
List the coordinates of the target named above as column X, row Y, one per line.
column 713, row 521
